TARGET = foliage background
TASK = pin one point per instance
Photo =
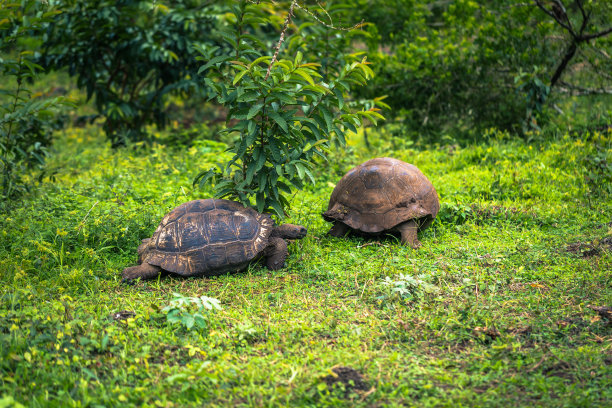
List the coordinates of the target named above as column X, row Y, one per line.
column 496, row 309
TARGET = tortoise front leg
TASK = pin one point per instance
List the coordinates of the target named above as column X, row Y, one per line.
column 143, row 271
column 276, row 253
column 339, row 229
column 409, row 230
column 142, row 248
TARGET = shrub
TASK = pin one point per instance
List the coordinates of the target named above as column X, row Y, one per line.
column 282, row 111
column 129, row 55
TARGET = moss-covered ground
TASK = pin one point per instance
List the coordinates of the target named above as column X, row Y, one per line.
column 493, row 310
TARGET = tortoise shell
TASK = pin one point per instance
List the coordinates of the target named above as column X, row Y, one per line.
column 380, row 194
column 208, row 237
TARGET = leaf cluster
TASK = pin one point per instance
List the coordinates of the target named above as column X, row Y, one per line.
column 189, row 311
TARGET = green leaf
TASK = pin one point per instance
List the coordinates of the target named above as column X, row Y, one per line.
column 265, row 59
column 338, row 94
column 215, row 60
column 255, row 109
column 327, row 116
column 300, row 169
column 260, row 201
column 279, row 120
column 239, row 76
column 302, row 72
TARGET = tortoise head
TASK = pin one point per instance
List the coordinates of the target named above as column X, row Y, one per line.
column 289, row 231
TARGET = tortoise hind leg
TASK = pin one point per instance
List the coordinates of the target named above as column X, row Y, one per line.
column 276, row 253
column 143, row 271
column 409, row 230
column 339, row 229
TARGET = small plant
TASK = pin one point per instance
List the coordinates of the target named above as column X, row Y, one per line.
column 408, row 287
column 26, row 120
column 190, row 311
column 536, row 92
column 282, row 112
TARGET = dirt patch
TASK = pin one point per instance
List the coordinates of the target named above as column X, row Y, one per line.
column 561, row 369
column 348, row 377
column 171, row 354
column 525, row 335
column 590, row 249
column 604, row 312
column 122, row 315
column 520, row 286
column 488, row 333
column 573, row 324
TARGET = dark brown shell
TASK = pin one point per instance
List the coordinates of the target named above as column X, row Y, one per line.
column 380, row 194
column 208, row 237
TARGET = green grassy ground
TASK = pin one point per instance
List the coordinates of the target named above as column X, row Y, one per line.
column 494, row 309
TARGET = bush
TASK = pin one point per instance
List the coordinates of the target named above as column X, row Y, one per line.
column 129, row 55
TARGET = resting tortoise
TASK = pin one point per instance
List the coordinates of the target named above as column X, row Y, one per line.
column 383, row 195
column 212, row 237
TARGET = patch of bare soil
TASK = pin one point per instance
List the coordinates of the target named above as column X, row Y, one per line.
column 122, row 315
column 590, row 249
column 561, row 369
column 347, row 376
column 525, row 335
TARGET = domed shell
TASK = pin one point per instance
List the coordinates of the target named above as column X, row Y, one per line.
column 382, row 193
column 208, row 237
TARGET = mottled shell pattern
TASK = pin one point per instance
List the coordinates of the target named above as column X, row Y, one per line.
column 208, row 237
column 382, row 193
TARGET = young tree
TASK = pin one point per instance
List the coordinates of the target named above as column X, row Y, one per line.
column 281, row 109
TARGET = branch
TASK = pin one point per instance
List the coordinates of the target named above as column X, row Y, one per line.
column 333, row 27
column 596, row 35
column 550, row 13
column 580, row 91
column 584, row 16
column 569, row 54
column 281, row 39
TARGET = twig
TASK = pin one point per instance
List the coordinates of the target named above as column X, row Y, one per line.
column 580, row 91
column 85, row 217
column 282, row 38
column 311, row 14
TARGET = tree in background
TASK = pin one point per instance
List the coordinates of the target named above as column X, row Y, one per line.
column 464, row 66
column 130, row 55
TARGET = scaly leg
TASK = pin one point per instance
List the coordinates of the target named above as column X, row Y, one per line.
column 409, row 233
column 144, row 271
column 142, row 248
column 339, row 229
column 276, row 253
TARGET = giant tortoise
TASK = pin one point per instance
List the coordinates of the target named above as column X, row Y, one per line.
column 212, row 237
column 383, row 195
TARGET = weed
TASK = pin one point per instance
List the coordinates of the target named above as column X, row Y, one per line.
column 189, row 311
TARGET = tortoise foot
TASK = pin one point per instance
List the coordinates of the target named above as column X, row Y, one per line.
column 143, row 271
column 276, row 253
column 409, row 234
column 339, row 230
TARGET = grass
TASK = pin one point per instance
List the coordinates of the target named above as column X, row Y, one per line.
column 499, row 314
